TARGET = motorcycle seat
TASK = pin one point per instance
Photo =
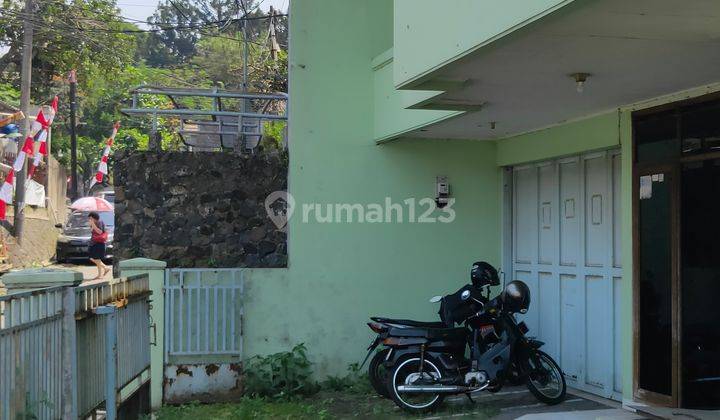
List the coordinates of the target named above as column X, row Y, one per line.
column 450, row 334
column 409, row 322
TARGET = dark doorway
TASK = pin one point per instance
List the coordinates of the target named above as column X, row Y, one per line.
column 700, row 284
column 677, row 254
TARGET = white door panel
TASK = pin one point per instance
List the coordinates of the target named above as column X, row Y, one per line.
column 566, row 247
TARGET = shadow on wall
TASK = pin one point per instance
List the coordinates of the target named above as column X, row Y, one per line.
column 199, row 209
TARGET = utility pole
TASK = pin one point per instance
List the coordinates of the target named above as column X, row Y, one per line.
column 25, row 80
column 73, row 136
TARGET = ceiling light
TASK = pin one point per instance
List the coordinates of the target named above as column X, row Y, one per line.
column 580, row 79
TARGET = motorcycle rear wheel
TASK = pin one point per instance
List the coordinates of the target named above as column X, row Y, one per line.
column 378, row 373
column 540, row 377
column 402, row 374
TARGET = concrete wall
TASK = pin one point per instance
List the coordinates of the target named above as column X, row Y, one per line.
column 391, row 118
column 430, row 34
column 339, row 274
column 40, row 234
column 39, row 238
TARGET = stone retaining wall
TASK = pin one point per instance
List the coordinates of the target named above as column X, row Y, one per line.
column 199, row 209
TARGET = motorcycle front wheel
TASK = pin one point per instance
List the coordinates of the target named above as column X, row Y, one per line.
column 378, row 374
column 545, row 379
column 407, row 372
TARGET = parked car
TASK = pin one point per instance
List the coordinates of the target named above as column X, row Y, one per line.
column 73, row 242
column 107, row 194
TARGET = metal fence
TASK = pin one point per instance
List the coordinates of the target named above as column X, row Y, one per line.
column 67, row 351
column 132, row 343
column 30, row 354
column 203, row 314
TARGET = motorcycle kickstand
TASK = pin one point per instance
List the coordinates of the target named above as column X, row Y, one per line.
column 469, row 397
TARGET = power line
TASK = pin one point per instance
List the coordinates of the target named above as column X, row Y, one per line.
column 161, row 27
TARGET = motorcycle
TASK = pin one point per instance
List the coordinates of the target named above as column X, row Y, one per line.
column 482, row 276
column 426, row 363
column 376, row 368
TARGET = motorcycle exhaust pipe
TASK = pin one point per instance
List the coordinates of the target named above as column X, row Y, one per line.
column 440, row 389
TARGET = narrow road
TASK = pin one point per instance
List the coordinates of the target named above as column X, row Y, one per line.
column 88, row 270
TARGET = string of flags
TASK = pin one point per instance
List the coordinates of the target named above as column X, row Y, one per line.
column 38, row 133
column 103, row 166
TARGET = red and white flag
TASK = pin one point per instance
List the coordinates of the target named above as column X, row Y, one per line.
column 44, row 118
column 103, row 166
column 26, row 151
column 42, row 135
column 6, row 193
column 38, row 128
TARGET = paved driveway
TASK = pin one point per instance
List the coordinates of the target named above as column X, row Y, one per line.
column 518, row 403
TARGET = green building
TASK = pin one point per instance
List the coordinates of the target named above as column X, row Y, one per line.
column 580, row 140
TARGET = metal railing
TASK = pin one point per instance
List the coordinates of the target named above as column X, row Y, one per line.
column 31, row 360
column 203, row 314
column 217, row 127
column 66, row 351
column 130, row 315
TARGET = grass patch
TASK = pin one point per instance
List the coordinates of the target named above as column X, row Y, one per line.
column 246, row 408
column 280, row 386
column 323, row 405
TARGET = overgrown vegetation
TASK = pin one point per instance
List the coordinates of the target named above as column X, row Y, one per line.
column 185, row 43
column 281, row 386
column 288, row 375
column 356, row 381
column 280, row 375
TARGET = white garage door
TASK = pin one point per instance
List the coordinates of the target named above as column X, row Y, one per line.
column 566, row 247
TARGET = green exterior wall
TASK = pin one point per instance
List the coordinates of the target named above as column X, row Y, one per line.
column 600, row 132
column 604, row 131
column 340, row 274
column 392, row 119
column 429, row 34
column 343, row 74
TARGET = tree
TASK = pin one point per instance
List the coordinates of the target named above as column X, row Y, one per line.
column 82, row 34
column 221, row 59
column 181, row 24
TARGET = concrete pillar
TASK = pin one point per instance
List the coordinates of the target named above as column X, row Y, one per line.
column 156, row 272
column 36, row 278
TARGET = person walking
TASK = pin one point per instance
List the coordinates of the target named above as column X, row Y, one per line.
column 98, row 237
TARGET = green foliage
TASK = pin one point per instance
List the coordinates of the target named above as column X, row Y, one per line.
column 131, row 139
column 83, row 34
column 355, row 381
column 9, row 94
column 112, row 57
column 273, row 134
column 280, row 375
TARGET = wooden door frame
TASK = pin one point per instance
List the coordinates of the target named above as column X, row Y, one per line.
column 644, row 395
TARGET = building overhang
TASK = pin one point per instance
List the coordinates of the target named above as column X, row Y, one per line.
column 632, row 51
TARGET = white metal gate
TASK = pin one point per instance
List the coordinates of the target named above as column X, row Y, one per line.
column 566, row 247
column 203, row 314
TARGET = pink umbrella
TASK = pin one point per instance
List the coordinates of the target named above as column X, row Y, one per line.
column 91, row 204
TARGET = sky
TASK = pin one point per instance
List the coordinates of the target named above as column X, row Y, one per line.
column 142, row 9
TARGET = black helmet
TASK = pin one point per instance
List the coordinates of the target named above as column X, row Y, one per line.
column 516, row 297
column 484, row 274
